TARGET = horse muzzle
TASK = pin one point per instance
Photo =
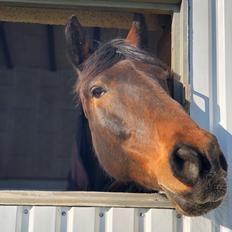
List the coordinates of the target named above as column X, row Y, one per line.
column 201, row 199
column 191, row 208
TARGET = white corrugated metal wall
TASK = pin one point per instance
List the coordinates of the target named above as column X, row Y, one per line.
column 211, row 80
column 85, row 219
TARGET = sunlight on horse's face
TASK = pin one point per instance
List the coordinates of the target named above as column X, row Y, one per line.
column 141, row 134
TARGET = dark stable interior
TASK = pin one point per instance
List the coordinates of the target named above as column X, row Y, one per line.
column 38, row 110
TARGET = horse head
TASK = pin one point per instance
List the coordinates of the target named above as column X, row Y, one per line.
column 139, row 133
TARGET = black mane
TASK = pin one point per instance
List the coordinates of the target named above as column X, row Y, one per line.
column 114, row 51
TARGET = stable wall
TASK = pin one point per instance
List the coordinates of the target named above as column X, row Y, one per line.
column 38, row 119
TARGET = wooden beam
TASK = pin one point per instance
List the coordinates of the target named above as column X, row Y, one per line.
column 6, row 52
column 96, row 37
column 97, row 33
column 87, row 17
column 95, row 199
column 51, row 48
column 161, row 5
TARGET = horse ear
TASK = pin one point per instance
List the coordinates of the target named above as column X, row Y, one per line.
column 137, row 35
column 77, row 44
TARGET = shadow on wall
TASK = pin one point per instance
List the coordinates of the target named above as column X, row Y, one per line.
column 220, row 217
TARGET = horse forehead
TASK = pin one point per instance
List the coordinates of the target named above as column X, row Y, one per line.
column 122, row 67
column 126, row 72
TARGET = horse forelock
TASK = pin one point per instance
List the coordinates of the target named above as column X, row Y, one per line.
column 110, row 54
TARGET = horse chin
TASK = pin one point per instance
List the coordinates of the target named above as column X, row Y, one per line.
column 187, row 207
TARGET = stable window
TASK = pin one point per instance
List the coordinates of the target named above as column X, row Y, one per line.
column 37, row 108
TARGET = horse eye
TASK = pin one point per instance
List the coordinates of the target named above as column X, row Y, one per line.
column 97, row 91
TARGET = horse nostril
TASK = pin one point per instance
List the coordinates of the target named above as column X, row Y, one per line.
column 223, row 162
column 215, row 156
column 185, row 164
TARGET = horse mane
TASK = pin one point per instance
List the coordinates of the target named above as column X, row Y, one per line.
column 113, row 52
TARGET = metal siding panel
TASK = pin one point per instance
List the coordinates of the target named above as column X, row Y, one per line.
column 223, row 112
column 86, row 219
column 140, row 219
column 109, row 220
column 214, row 89
column 22, row 220
column 61, row 219
column 199, row 109
column 200, row 224
column 179, row 223
column 160, row 220
column 42, row 219
column 8, row 218
column 202, row 72
column 82, row 219
column 121, row 219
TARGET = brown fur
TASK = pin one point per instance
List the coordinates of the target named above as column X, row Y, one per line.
column 139, row 133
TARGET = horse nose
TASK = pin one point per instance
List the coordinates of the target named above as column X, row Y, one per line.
column 216, row 158
column 186, row 164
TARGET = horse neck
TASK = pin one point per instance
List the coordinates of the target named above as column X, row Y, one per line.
column 97, row 177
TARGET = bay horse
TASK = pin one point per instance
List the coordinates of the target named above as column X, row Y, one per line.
column 137, row 131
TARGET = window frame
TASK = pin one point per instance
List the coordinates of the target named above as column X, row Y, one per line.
column 51, row 13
